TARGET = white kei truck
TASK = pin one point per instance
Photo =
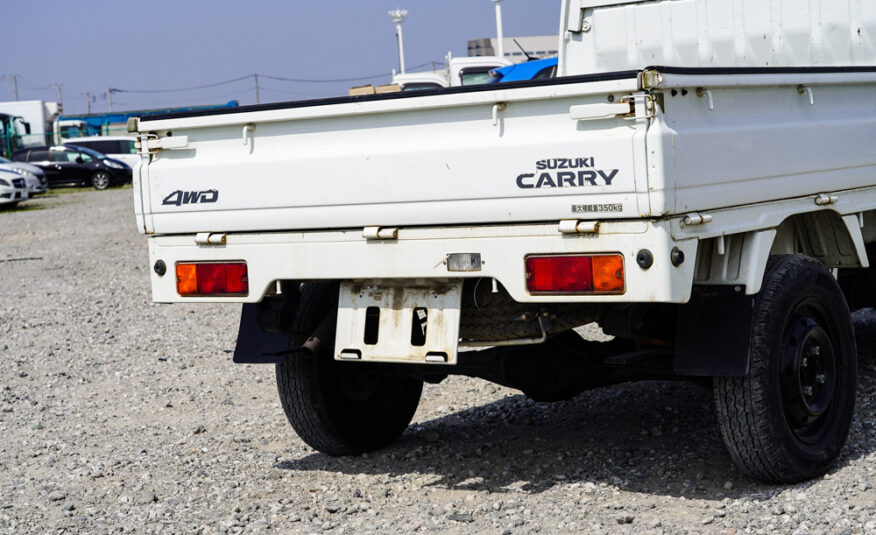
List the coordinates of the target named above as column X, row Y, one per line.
column 699, row 180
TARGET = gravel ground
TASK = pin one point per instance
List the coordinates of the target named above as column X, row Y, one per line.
column 119, row 415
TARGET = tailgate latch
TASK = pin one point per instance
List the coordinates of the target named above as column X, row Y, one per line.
column 155, row 144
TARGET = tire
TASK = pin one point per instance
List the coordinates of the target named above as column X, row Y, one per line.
column 9, row 205
column 341, row 408
column 101, row 180
column 788, row 419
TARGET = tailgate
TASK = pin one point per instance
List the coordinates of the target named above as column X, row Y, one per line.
column 454, row 157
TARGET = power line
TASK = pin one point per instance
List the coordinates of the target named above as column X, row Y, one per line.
column 30, row 85
column 15, row 78
column 256, row 87
column 294, row 93
column 132, row 97
column 335, row 80
column 205, row 86
column 256, row 76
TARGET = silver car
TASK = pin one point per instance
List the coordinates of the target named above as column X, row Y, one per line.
column 34, row 177
column 12, row 189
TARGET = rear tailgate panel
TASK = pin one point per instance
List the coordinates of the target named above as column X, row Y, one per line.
column 436, row 159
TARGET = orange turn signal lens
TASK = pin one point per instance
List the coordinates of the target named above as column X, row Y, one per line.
column 608, row 274
column 212, row 279
column 186, row 279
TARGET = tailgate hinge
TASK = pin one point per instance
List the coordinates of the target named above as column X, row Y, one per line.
column 379, row 233
column 695, row 218
column 210, row 238
column 824, row 199
column 576, row 226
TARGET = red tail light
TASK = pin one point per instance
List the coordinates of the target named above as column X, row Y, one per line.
column 212, row 279
column 575, row 274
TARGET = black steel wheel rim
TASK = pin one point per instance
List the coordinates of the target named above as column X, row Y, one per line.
column 809, row 372
column 356, row 385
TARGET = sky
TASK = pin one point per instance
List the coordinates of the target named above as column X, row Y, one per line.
column 132, row 45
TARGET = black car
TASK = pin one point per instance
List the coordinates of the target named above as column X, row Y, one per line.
column 75, row 165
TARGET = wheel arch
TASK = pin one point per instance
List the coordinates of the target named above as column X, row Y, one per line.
column 835, row 240
column 730, row 270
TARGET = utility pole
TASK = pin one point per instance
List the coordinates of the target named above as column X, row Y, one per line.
column 500, row 38
column 60, row 95
column 256, row 78
column 88, row 101
column 398, row 16
column 14, row 78
column 109, row 98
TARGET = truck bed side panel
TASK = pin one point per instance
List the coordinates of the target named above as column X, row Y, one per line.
column 768, row 143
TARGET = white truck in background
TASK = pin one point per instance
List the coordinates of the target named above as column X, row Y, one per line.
column 38, row 116
column 701, row 183
column 457, row 72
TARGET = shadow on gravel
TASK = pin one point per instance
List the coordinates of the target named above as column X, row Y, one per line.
column 658, row 438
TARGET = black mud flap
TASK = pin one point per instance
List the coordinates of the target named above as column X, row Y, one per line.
column 713, row 332
column 254, row 345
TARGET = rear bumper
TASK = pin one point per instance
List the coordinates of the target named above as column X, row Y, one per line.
column 420, row 253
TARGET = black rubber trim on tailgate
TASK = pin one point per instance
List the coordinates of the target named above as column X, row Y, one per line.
column 600, row 77
column 762, row 70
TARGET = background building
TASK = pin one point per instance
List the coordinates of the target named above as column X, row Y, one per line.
column 541, row 46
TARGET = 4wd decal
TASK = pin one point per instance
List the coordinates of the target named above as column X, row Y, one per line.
column 566, row 173
column 178, row 197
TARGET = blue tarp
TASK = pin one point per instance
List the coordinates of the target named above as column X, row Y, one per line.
column 524, row 71
column 99, row 120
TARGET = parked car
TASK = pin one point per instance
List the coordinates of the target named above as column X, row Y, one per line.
column 75, row 165
column 34, row 177
column 116, row 147
column 13, row 189
column 538, row 69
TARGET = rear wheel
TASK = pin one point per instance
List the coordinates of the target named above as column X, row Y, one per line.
column 788, row 419
column 341, row 408
column 100, row 180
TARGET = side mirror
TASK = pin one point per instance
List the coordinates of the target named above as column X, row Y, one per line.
column 27, row 128
column 79, row 159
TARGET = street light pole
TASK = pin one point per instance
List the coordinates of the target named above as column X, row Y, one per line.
column 500, row 38
column 398, row 16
